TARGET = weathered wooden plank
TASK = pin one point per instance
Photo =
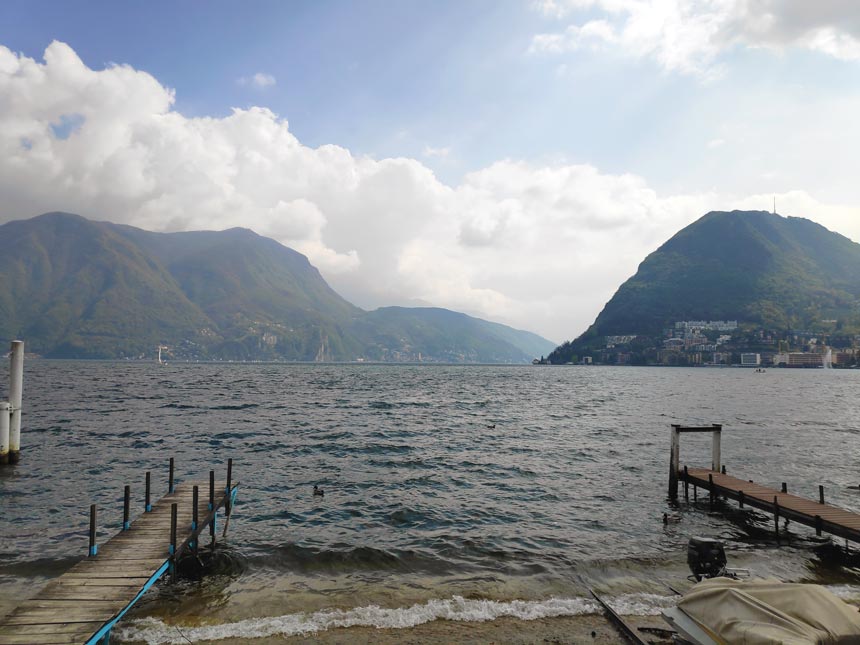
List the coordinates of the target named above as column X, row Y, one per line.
column 91, row 581
column 51, row 628
column 46, row 639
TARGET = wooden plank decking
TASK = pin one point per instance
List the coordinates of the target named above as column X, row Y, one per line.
column 97, row 591
column 822, row 517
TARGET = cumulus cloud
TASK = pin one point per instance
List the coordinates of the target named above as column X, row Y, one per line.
column 541, row 247
column 259, row 80
column 689, row 36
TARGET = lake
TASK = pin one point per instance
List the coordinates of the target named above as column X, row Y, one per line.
column 464, row 492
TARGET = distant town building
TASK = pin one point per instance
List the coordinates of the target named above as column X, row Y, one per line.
column 713, row 325
column 612, row 341
column 799, row 359
column 750, row 360
column 721, row 358
column 675, row 344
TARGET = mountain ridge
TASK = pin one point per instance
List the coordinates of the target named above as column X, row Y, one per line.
column 78, row 288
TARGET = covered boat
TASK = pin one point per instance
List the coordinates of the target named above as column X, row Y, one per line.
column 762, row 612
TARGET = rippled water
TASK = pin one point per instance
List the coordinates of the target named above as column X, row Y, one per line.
column 482, row 484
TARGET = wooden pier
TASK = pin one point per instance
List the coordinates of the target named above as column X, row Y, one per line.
column 82, row 605
column 780, row 503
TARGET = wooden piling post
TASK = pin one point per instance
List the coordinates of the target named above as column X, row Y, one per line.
column 212, row 526
column 174, row 507
column 674, row 460
column 716, row 439
column 126, row 508
column 695, row 493
column 776, row 517
column 172, row 548
column 818, row 524
column 16, row 397
column 821, row 494
column 194, row 517
column 686, row 484
column 170, row 478
column 148, row 504
column 784, row 487
column 5, row 417
column 229, row 486
column 711, row 489
column 741, row 498
column 94, row 548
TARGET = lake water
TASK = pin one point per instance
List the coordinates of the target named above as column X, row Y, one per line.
column 465, row 492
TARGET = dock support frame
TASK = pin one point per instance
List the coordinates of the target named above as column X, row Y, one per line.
column 675, row 451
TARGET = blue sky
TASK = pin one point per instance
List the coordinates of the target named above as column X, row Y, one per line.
column 515, row 146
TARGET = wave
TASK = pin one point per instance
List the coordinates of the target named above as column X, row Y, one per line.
column 155, row 632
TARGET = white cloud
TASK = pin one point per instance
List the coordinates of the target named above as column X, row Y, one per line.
column 436, row 152
column 541, row 247
column 690, row 36
column 716, row 143
column 259, row 80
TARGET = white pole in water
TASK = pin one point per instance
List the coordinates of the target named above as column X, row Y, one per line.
column 16, row 396
column 4, row 432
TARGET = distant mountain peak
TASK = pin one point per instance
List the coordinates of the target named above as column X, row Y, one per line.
column 756, row 267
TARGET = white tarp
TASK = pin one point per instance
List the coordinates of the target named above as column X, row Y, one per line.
column 762, row 612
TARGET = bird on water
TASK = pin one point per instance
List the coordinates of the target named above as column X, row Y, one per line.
column 318, row 492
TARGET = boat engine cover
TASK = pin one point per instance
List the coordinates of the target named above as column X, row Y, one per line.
column 706, row 557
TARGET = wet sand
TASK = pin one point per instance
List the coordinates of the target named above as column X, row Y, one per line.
column 590, row 628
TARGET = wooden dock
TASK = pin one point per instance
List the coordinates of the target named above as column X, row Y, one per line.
column 780, row 503
column 82, row 605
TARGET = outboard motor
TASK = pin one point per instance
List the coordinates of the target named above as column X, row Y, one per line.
column 706, row 558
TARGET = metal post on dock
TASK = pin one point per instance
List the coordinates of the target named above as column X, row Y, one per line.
column 818, row 525
column 784, row 487
column 94, row 548
column 126, row 508
column 741, row 498
column 170, row 478
column 686, row 484
column 5, row 413
column 148, row 505
column 16, row 397
column 820, row 494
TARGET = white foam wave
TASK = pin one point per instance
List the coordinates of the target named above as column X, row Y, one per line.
column 154, row 632
column 848, row 593
column 642, row 604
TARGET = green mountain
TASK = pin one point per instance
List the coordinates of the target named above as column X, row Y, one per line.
column 755, row 267
column 74, row 288
column 402, row 333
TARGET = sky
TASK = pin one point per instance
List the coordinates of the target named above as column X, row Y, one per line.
column 512, row 159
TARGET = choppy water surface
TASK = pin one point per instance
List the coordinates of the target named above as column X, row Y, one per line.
column 430, row 511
